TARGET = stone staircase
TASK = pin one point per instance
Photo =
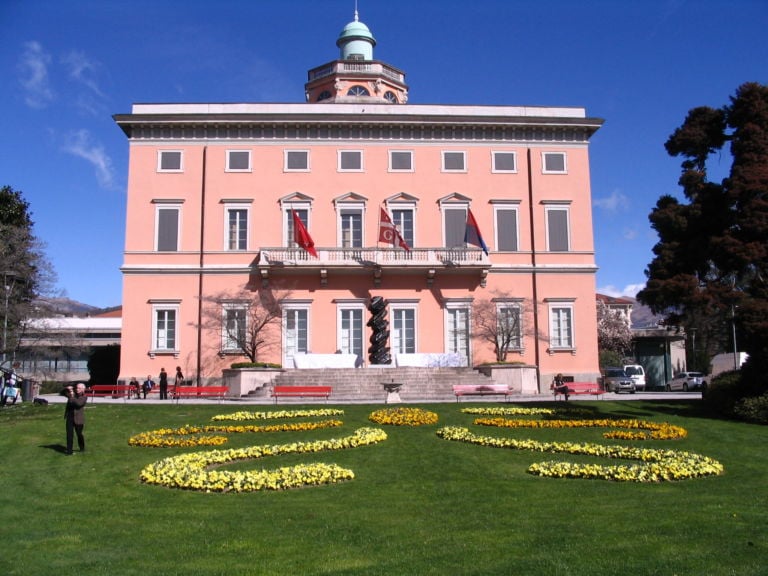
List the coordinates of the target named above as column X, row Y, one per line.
column 365, row 385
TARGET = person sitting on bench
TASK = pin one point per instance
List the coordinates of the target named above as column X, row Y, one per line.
column 559, row 386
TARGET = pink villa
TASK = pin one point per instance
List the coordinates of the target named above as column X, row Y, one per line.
column 231, row 204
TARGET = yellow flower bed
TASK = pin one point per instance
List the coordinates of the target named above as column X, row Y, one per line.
column 181, row 437
column 509, row 411
column 403, row 416
column 656, row 431
column 653, row 466
column 190, row 471
column 278, row 414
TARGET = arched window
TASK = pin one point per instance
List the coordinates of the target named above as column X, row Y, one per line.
column 358, row 91
column 390, row 97
column 324, row 95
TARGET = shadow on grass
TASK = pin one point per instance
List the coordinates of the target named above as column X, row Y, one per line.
column 55, row 447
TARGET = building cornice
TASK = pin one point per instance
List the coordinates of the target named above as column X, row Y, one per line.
column 328, row 122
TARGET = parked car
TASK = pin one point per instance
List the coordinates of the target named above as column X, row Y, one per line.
column 687, row 381
column 636, row 372
column 616, row 380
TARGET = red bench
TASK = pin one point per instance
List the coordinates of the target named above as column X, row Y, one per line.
column 301, row 392
column 109, row 390
column 481, row 390
column 180, row 392
column 577, row 388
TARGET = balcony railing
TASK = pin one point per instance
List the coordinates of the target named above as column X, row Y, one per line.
column 378, row 262
column 351, row 67
column 382, row 257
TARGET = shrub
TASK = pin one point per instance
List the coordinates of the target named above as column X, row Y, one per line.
column 723, row 392
column 754, row 409
column 254, row 365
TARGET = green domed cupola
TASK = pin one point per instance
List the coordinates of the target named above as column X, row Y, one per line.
column 356, row 78
column 356, row 41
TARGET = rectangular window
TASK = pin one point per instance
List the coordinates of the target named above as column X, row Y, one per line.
column 237, row 229
column 164, row 328
column 167, row 228
column 557, row 229
column 554, row 162
column 350, row 161
column 402, row 218
column 351, row 227
column 233, row 330
column 506, row 229
column 510, row 327
column 561, row 326
column 400, row 161
column 504, row 162
column 403, row 333
column 457, row 332
column 296, row 160
column 169, row 161
column 350, row 338
column 454, row 162
column 455, row 222
column 303, row 214
column 238, row 160
column 295, row 333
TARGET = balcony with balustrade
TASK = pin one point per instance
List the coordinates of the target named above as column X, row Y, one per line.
column 377, row 262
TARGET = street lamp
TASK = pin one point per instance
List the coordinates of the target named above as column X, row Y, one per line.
column 9, row 277
column 693, row 349
column 733, row 330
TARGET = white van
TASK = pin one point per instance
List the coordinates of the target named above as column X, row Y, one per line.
column 636, row 372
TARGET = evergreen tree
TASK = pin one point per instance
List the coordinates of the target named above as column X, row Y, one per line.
column 24, row 270
column 710, row 266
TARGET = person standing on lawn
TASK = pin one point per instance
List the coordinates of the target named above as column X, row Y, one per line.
column 163, row 384
column 74, row 416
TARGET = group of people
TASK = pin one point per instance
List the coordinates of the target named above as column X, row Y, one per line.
column 9, row 386
column 141, row 390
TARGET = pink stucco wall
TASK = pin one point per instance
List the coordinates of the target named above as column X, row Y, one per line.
column 151, row 277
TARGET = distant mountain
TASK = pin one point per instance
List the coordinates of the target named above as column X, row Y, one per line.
column 66, row 307
column 642, row 317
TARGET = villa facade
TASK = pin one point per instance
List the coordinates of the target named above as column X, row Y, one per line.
column 233, row 205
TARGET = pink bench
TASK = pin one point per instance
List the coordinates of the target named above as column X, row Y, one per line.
column 577, row 388
column 481, row 390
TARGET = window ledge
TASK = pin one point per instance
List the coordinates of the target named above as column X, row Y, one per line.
column 153, row 353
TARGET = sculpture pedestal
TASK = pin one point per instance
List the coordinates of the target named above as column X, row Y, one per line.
column 393, row 392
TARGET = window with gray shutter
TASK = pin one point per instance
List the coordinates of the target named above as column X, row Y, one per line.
column 453, row 162
column 238, row 160
column 401, row 160
column 554, row 162
column 170, row 161
column 167, row 229
column 506, row 230
column 455, row 227
column 296, row 160
column 504, row 162
column 557, row 228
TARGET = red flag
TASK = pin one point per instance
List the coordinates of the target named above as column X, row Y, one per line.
column 301, row 236
column 472, row 233
column 389, row 233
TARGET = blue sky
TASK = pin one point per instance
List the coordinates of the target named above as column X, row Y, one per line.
column 68, row 66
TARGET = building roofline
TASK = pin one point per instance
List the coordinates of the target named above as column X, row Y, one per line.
column 368, row 114
column 334, row 110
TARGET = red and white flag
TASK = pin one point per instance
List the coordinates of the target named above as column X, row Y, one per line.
column 389, row 233
column 301, row 236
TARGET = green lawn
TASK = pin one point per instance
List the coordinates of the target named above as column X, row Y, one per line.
column 418, row 505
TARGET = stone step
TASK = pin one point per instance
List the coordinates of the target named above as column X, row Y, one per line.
column 366, row 384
